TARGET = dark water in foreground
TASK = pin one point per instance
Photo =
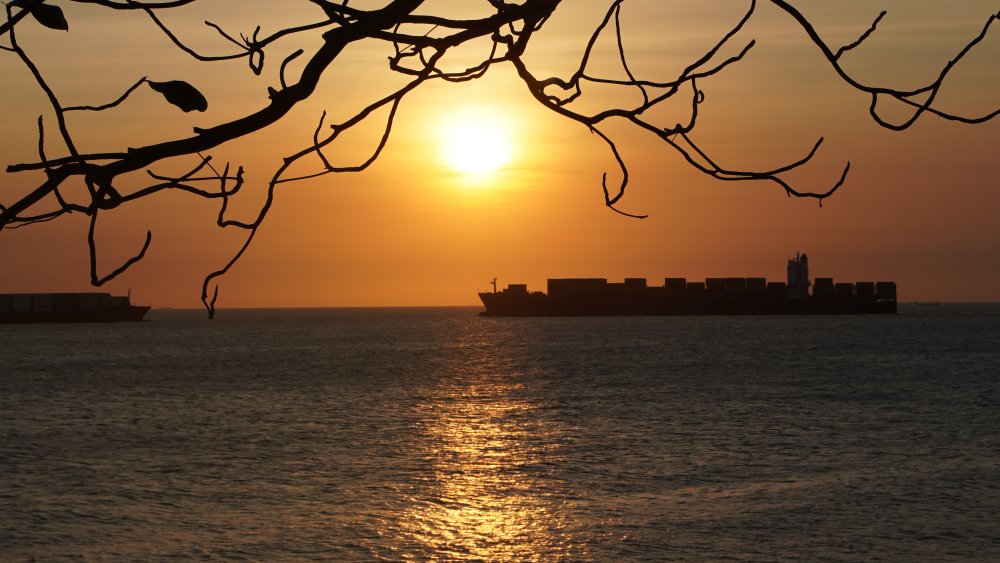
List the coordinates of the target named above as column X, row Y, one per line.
column 435, row 434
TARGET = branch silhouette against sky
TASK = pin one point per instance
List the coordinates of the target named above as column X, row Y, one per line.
column 77, row 178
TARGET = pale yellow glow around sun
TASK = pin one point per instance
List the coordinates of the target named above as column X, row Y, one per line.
column 476, row 144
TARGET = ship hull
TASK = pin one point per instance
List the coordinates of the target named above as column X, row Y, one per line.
column 131, row 314
column 32, row 308
column 541, row 305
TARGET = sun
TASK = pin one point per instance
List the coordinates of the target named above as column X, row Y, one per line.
column 477, row 145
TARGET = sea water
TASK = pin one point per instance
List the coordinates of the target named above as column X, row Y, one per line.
column 395, row 434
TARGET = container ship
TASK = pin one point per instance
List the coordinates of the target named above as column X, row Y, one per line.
column 678, row 296
column 69, row 308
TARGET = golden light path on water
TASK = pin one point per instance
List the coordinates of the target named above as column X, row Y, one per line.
column 491, row 451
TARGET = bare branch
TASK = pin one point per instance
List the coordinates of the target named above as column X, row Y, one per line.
column 111, row 104
column 861, row 39
column 284, row 65
column 905, row 96
column 99, row 281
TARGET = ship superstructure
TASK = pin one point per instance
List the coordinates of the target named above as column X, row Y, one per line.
column 798, row 277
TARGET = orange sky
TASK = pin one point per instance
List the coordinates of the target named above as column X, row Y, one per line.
column 919, row 206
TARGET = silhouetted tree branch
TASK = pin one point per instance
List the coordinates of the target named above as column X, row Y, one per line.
column 419, row 42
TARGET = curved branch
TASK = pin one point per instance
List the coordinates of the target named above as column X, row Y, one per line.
column 136, row 4
column 862, row 38
column 94, row 279
column 247, row 49
column 111, row 104
column 904, row 96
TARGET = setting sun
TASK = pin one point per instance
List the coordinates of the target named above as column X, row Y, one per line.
column 475, row 144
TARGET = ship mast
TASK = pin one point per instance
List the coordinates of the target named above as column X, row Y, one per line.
column 494, row 282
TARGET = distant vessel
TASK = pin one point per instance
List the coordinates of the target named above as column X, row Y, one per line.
column 677, row 296
column 68, row 308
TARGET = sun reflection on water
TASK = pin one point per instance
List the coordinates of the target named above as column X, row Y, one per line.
column 485, row 499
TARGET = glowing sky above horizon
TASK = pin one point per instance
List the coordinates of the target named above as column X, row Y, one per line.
column 478, row 180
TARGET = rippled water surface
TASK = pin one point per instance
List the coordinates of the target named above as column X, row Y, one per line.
column 436, row 434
